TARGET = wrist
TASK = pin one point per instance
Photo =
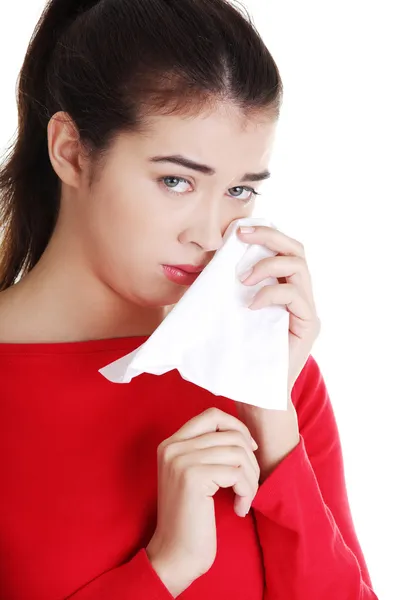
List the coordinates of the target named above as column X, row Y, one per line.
column 276, row 437
column 171, row 575
column 268, row 462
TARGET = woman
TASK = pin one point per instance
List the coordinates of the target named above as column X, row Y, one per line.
column 145, row 128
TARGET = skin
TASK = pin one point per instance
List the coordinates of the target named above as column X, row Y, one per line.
column 117, row 235
column 101, row 277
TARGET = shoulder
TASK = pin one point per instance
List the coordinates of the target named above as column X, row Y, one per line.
column 14, row 316
column 6, row 316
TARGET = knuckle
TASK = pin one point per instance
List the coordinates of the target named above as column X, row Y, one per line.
column 161, row 449
column 166, row 452
column 213, row 411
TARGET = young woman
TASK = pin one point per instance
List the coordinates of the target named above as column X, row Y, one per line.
column 145, row 129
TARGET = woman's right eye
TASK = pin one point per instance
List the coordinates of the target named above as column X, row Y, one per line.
column 172, row 184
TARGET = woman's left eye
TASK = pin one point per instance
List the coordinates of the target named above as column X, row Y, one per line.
column 240, row 189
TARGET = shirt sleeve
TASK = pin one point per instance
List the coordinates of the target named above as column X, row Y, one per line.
column 134, row 580
column 302, row 514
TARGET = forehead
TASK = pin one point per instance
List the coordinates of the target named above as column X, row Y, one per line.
column 224, row 137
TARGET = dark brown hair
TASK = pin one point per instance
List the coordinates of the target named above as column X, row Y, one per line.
column 108, row 64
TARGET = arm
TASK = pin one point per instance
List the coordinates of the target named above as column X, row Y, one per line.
column 302, row 514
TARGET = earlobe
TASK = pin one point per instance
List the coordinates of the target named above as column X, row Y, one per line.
column 64, row 148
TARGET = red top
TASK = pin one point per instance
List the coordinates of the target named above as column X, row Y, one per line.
column 79, row 487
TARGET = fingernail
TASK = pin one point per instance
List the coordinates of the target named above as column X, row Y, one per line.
column 245, row 275
column 247, row 229
column 254, row 443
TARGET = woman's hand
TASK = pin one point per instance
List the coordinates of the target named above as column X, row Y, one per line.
column 276, row 432
column 212, row 450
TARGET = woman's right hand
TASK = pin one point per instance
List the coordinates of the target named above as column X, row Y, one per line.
column 212, row 450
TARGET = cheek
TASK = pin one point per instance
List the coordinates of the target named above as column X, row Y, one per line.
column 113, row 210
column 125, row 234
column 132, row 202
column 107, row 228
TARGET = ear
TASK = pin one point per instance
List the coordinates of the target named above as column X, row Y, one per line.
column 65, row 151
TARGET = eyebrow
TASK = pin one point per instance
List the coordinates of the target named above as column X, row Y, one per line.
column 205, row 169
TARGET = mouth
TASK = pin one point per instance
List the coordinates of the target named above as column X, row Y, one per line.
column 182, row 274
column 188, row 268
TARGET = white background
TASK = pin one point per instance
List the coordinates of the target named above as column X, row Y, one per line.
column 335, row 187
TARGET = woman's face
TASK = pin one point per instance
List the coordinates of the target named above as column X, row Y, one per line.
column 145, row 210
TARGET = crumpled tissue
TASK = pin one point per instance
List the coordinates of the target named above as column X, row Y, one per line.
column 214, row 340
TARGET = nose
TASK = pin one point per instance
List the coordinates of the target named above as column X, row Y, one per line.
column 206, row 227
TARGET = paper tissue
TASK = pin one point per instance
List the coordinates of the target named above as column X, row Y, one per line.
column 213, row 338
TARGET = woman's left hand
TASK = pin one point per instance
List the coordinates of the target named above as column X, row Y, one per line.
column 276, row 432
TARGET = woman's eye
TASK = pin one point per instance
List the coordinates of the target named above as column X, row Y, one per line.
column 238, row 191
column 175, row 184
column 178, row 185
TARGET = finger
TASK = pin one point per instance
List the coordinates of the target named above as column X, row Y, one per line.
column 242, row 505
column 234, row 456
column 274, row 240
column 209, row 421
column 285, row 294
column 291, row 267
column 210, row 477
column 286, row 269
column 224, row 477
column 223, row 438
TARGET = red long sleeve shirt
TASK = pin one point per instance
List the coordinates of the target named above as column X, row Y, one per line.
column 78, row 477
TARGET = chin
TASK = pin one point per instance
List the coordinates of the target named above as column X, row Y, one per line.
column 170, row 298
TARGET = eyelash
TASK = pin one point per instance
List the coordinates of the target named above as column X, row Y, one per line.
column 180, row 179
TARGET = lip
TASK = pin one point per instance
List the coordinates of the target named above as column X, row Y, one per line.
column 178, row 275
column 188, row 268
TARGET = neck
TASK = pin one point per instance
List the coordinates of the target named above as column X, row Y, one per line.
column 62, row 301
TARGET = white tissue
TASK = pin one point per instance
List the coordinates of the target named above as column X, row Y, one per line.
column 214, row 339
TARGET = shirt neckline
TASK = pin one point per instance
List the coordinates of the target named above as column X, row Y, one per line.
column 84, row 346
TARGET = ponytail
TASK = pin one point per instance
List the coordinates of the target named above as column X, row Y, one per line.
column 29, row 187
